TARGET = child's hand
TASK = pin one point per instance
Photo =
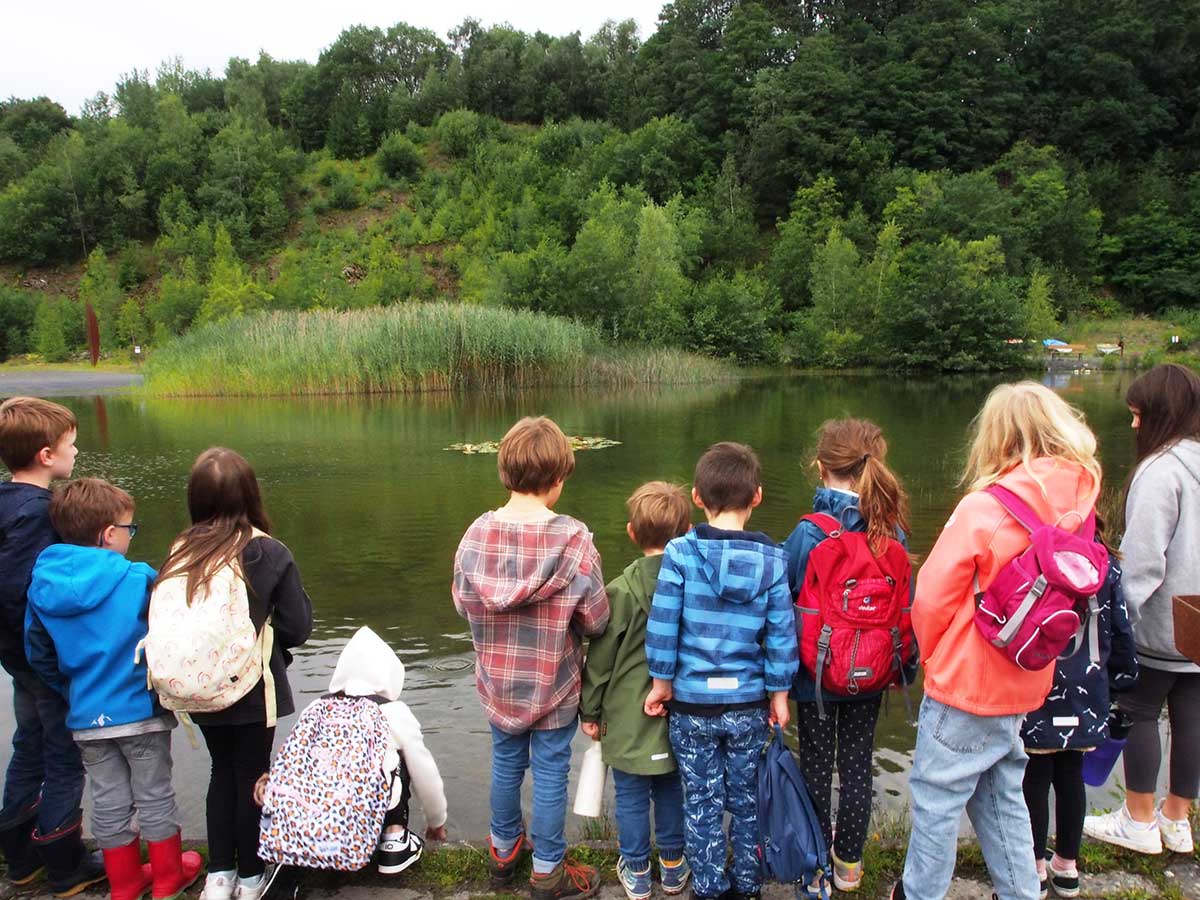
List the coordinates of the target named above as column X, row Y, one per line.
column 780, row 714
column 260, row 789
column 656, row 700
column 435, row 834
column 591, row 729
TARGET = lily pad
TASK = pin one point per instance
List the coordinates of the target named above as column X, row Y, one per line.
column 577, row 443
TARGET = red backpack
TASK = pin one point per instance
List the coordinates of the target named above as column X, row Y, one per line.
column 854, row 612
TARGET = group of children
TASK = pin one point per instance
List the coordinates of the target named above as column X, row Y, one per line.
column 694, row 652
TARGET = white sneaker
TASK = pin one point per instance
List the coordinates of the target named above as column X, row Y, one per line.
column 252, row 888
column 1118, row 828
column 1176, row 833
column 218, row 886
column 398, row 851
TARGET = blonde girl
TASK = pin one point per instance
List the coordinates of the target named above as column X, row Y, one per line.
column 969, row 752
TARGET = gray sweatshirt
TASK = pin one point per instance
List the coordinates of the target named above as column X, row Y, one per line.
column 1160, row 550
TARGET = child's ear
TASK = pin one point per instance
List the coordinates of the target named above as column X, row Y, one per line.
column 696, row 499
column 106, row 536
column 45, row 457
column 757, row 497
column 629, row 531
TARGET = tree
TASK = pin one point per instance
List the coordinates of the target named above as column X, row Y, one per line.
column 399, row 157
column 230, row 290
column 99, row 287
column 49, row 331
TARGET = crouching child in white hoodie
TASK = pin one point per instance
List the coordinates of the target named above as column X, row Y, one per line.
column 351, row 761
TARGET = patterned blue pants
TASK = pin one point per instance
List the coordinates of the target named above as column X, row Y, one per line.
column 718, row 758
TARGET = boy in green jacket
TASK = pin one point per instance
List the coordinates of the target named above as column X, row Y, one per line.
column 616, row 680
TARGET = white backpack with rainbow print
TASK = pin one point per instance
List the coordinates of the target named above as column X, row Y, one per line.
column 205, row 655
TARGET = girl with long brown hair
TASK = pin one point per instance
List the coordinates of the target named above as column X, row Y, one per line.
column 230, row 527
column 861, row 492
column 1158, row 550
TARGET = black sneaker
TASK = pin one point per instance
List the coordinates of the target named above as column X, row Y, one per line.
column 1065, row 884
column 398, row 851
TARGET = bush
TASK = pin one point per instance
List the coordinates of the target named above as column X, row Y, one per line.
column 343, row 191
column 49, row 331
column 17, row 312
column 459, row 131
column 399, row 157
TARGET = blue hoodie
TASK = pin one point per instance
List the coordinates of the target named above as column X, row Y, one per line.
column 843, row 506
column 721, row 623
column 91, row 604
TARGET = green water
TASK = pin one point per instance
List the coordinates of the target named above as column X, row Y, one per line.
column 373, row 507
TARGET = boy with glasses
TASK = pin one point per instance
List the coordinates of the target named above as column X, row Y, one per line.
column 86, row 617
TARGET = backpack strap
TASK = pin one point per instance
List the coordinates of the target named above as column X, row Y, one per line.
column 1031, row 521
column 829, row 526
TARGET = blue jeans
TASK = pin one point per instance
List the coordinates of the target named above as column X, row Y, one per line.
column 718, row 759
column 45, row 759
column 977, row 763
column 550, row 753
column 634, row 793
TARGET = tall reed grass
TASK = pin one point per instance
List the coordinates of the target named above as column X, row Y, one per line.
column 406, row 347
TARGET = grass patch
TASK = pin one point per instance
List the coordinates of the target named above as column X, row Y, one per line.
column 407, row 348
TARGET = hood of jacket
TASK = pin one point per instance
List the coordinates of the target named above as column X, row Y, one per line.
column 739, row 565
column 642, row 577
column 368, row 667
column 842, row 505
column 522, row 562
column 72, row 580
column 1061, row 492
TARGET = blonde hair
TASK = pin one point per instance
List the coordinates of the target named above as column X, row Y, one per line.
column 854, row 449
column 658, row 512
column 1020, row 423
column 534, row 456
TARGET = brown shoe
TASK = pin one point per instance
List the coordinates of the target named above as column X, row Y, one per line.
column 502, row 869
column 568, row 881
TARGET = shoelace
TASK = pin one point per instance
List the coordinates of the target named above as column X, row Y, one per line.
column 578, row 875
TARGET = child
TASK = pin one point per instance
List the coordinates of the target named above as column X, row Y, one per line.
column 86, row 616
column 366, row 668
column 43, row 789
column 1072, row 721
column 720, row 641
column 616, row 680
column 969, row 752
column 230, row 527
column 861, row 492
column 529, row 583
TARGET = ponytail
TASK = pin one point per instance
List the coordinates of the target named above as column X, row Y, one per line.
column 854, row 450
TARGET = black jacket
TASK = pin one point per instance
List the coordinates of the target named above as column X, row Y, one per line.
column 24, row 533
column 274, row 591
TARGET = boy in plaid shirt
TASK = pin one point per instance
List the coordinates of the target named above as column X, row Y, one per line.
column 529, row 583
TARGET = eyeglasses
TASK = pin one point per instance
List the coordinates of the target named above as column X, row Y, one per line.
column 132, row 526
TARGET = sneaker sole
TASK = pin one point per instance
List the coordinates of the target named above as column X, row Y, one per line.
column 676, row 891
column 846, row 887
column 1118, row 841
column 1187, row 846
column 1065, row 893
column 80, row 888
column 26, row 879
column 392, row 870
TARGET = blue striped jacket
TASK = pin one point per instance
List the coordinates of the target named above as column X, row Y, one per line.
column 721, row 624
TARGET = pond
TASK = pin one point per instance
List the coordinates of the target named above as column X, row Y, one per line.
column 373, row 506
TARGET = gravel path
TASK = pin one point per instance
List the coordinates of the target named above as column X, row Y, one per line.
column 64, row 382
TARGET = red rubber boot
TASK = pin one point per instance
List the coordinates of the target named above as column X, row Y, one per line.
column 128, row 879
column 174, row 871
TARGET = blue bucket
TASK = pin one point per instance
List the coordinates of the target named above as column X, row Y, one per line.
column 1098, row 764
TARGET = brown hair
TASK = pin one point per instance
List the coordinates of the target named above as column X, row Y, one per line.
column 1167, row 399
column 727, row 477
column 81, row 509
column 854, row 450
column 225, row 507
column 27, row 424
column 658, row 512
column 534, row 456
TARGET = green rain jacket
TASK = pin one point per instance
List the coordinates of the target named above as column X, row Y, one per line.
column 616, row 678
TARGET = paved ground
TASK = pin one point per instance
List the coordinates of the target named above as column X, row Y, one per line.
column 64, row 382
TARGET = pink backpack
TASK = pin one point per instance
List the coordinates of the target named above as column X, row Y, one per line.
column 1043, row 598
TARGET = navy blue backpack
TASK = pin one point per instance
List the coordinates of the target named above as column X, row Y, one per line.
column 791, row 845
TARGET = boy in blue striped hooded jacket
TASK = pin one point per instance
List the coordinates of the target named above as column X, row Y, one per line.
column 721, row 647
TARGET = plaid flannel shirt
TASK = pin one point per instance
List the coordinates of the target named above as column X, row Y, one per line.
column 530, row 591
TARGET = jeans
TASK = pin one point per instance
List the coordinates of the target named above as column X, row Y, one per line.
column 718, row 759
column 240, row 754
column 126, row 774
column 550, row 753
column 634, row 793
column 977, row 763
column 45, row 759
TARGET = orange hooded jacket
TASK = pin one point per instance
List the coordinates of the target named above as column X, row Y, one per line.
column 962, row 669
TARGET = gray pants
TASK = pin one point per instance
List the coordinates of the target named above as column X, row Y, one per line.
column 1143, row 753
column 128, row 774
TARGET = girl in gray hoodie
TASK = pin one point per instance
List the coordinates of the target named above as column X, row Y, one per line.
column 1162, row 531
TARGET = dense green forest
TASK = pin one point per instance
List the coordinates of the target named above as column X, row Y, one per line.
column 833, row 182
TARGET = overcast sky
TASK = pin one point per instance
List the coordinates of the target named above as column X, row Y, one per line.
column 70, row 50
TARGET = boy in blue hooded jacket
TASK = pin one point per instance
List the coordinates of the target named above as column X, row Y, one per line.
column 86, row 614
column 721, row 648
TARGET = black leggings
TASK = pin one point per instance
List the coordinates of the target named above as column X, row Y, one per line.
column 1143, row 753
column 849, row 725
column 240, row 754
column 1064, row 770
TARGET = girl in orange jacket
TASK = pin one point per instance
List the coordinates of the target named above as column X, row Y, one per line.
column 969, row 751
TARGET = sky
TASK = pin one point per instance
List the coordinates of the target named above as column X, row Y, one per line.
column 70, row 50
